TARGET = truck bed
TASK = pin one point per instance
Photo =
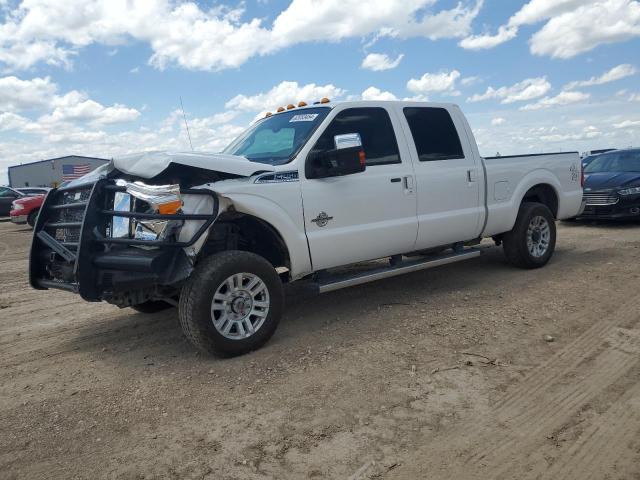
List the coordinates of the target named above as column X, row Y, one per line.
column 509, row 178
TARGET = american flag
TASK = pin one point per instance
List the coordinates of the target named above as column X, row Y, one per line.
column 71, row 172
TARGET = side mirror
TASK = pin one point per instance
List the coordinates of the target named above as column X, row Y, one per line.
column 335, row 163
column 347, row 158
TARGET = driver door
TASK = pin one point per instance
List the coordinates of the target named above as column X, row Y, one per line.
column 364, row 215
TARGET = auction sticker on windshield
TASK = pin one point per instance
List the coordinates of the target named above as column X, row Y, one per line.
column 307, row 117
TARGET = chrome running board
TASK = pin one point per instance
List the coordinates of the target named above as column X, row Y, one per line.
column 330, row 284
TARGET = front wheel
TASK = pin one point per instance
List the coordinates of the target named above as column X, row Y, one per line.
column 231, row 304
column 33, row 216
column 532, row 241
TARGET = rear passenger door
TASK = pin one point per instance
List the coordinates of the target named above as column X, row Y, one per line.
column 366, row 215
column 447, row 176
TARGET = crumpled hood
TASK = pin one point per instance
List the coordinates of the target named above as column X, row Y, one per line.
column 610, row 180
column 150, row 164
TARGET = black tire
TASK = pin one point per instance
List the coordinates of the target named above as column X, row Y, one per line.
column 195, row 308
column 33, row 216
column 152, row 306
column 515, row 242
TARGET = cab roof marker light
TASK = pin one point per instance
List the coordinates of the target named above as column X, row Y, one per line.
column 302, row 104
column 325, row 100
column 268, row 114
column 291, row 106
column 280, row 109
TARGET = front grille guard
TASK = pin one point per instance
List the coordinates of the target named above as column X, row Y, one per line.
column 67, row 240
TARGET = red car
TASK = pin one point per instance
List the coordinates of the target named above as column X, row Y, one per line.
column 25, row 209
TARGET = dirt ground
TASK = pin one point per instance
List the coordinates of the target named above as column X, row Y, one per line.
column 439, row 374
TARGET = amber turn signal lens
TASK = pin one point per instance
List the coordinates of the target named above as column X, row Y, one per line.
column 363, row 158
column 170, row 208
column 302, row 104
column 325, row 100
column 280, row 109
column 290, row 106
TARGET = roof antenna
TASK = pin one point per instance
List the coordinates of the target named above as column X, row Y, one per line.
column 185, row 123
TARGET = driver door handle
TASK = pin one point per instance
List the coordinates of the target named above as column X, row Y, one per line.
column 408, row 183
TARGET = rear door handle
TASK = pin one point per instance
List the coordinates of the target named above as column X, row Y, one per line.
column 396, row 180
column 471, row 176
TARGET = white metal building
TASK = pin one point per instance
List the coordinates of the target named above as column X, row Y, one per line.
column 52, row 172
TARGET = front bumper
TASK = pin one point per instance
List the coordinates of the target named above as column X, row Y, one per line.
column 19, row 219
column 624, row 208
column 72, row 248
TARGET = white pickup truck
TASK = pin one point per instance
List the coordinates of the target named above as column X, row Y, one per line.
column 300, row 194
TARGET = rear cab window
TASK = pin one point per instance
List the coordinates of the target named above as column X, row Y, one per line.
column 374, row 126
column 434, row 133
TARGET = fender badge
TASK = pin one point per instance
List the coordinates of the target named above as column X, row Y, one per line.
column 573, row 170
column 322, row 219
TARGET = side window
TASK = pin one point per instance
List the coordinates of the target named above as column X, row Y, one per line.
column 375, row 129
column 7, row 193
column 433, row 133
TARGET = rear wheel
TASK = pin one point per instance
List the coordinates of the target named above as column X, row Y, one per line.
column 532, row 241
column 231, row 304
column 33, row 216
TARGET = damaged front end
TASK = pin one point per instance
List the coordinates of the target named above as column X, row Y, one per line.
column 125, row 242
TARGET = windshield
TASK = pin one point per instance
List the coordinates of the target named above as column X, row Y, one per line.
column 623, row 161
column 276, row 139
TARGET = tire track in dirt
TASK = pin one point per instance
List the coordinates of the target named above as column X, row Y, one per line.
column 603, row 443
column 555, row 391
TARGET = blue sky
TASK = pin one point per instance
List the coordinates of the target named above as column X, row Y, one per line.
column 104, row 77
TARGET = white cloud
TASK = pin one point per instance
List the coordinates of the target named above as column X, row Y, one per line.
column 12, row 121
column 498, row 121
column 40, row 94
column 215, row 38
column 19, row 95
column 531, row 13
column 616, row 73
column 380, row 61
column 283, row 94
column 373, row 93
column 563, row 98
column 435, row 82
column 75, row 106
column 573, row 26
column 592, row 24
column 525, row 90
column 538, row 10
column 587, row 134
column 485, row 41
column 469, row 81
column 627, row 124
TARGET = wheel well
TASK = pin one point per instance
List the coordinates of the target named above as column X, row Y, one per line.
column 238, row 231
column 545, row 194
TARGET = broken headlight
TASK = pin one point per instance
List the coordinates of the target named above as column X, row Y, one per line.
column 148, row 199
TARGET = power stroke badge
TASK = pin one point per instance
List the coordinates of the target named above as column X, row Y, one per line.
column 322, row 219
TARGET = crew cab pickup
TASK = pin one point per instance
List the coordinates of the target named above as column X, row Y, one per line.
column 298, row 196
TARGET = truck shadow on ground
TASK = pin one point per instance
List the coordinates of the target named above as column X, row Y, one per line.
column 604, row 224
column 134, row 337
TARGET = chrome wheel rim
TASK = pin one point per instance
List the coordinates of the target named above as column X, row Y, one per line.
column 240, row 306
column 538, row 236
